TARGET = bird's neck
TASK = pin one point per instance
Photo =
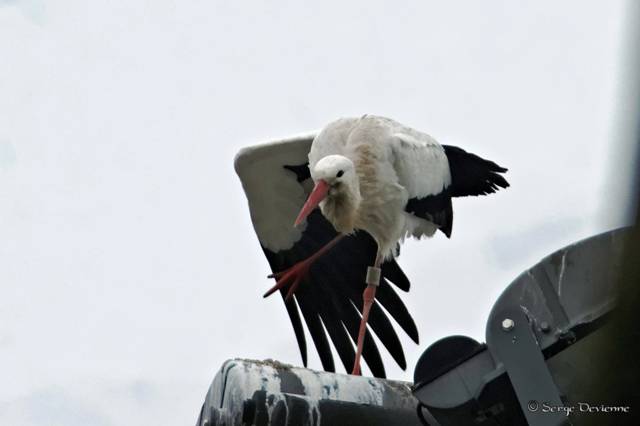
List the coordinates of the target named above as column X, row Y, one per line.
column 341, row 209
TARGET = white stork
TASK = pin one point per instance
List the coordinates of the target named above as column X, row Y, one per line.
column 376, row 182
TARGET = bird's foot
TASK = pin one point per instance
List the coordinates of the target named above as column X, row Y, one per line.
column 290, row 277
column 294, row 275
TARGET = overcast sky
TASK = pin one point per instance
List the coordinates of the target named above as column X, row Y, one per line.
column 129, row 267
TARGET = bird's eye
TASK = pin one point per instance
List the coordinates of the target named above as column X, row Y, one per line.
column 340, row 173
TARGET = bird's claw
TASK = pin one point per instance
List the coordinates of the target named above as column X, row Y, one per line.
column 281, row 274
column 289, row 277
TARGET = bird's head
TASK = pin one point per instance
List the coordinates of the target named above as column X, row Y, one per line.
column 336, row 187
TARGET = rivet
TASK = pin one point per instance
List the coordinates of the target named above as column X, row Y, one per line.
column 544, row 326
column 508, row 324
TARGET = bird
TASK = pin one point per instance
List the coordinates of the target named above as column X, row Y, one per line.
column 331, row 210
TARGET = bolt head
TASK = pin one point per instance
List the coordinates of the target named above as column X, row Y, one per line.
column 508, row 324
column 544, row 326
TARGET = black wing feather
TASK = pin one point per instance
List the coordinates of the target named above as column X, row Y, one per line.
column 390, row 300
column 351, row 320
column 392, row 271
column 338, row 334
column 332, row 295
column 294, row 316
column 470, row 175
column 434, row 208
column 378, row 321
column 311, row 315
column 473, row 175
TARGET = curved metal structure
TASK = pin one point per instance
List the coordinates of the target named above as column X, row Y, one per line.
column 541, row 334
column 534, row 369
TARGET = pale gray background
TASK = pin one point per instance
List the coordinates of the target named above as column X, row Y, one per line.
column 129, row 267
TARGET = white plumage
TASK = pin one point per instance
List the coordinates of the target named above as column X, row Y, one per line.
column 274, row 207
column 376, row 181
column 392, row 163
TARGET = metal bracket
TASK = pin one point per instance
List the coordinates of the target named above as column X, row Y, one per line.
column 512, row 342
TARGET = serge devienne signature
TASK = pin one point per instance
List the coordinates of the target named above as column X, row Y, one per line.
column 582, row 407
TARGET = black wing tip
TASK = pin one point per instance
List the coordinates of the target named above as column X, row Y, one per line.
column 416, row 338
column 448, row 227
column 412, row 330
column 495, row 182
column 490, row 165
column 394, row 273
column 400, row 359
column 473, row 175
column 490, row 185
column 493, row 178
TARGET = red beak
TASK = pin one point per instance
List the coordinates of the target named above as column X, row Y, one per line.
column 318, row 194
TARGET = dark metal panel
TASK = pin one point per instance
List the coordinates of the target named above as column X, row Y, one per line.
column 572, row 286
column 512, row 343
column 540, row 343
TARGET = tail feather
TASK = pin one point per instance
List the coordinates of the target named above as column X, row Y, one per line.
column 473, row 175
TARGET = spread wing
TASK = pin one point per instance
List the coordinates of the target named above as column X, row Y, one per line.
column 433, row 174
column 276, row 180
column 423, row 169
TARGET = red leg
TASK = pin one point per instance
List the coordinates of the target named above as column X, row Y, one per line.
column 295, row 274
column 368, row 297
